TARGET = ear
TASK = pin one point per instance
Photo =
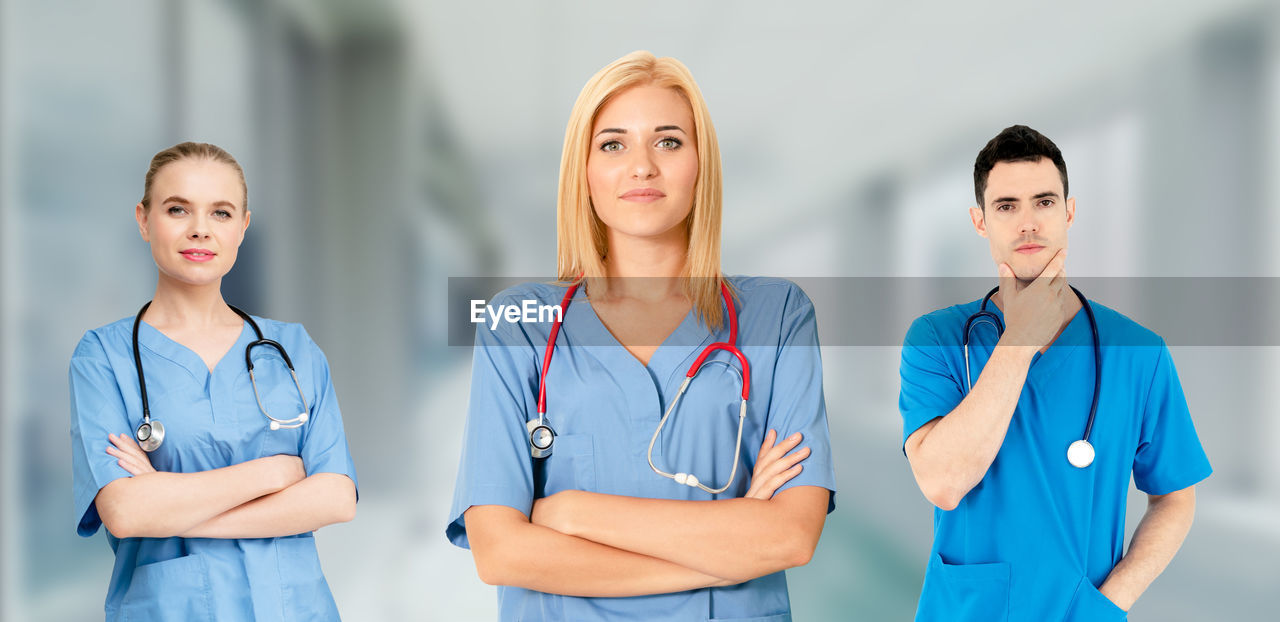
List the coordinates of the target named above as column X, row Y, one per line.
column 979, row 220
column 1071, row 211
column 140, row 214
column 247, row 215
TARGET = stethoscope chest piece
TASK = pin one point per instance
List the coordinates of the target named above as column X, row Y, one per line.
column 1080, row 454
column 541, row 437
column 150, row 434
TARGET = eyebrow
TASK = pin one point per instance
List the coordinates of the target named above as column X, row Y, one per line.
column 660, row 128
column 177, row 199
column 1038, row 195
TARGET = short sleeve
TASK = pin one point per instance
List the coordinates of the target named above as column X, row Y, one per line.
column 97, row 409
column 324, row 446
column 1169, row 455
column 797, row 403
column 496, row 466
column 928, row 388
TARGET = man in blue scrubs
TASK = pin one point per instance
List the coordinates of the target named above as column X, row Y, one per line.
column 1019, row 532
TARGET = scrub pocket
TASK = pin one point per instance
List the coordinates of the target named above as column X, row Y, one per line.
column 964, row 592
column 1090, row 605
column 287, row 441
column 779, row 617
column 571, row 466
column 305, row 592
column 174, row 590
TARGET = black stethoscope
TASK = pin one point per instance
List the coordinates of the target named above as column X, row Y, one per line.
column 1080, row 453
column 150, row 434
column 541, row 436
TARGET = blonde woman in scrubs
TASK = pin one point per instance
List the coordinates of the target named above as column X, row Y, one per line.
column 592, row 532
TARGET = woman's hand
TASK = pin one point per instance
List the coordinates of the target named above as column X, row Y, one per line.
column 129, row 455
column 774, row 466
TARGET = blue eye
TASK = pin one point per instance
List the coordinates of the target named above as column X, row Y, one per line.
column 222, row 214
column 176, row 209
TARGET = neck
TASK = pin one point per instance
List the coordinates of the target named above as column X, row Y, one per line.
column 177, row 303
column 647, row 268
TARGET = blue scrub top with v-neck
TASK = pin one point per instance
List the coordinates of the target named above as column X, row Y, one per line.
column 1034, row 538
column 604, row 406
column 211, row 420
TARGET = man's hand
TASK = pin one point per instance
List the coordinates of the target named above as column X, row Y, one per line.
column 1035, row 313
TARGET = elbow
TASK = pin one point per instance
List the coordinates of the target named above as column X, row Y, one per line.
column 802, row 545
column 117, row 513
column 800, row 555
column 941, row 495
column 118, row 524
column 491, row 568
column 346, row 512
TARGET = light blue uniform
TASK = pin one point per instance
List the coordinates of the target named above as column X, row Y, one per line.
column 211, row 421
column 1034, row 539
column 604, row 405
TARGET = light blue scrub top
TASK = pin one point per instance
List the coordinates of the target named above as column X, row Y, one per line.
column 604, row 406
column 1036, row 536
column 211, row 421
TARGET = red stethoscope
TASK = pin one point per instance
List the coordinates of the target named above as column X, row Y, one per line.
column 542, row 437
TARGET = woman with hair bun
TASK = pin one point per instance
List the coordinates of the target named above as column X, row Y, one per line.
column 207, row 441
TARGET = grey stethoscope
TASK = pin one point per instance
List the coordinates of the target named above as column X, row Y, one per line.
column 1080, row 453
column 150, row 433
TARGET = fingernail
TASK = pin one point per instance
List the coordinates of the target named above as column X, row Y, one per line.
column 795, row 436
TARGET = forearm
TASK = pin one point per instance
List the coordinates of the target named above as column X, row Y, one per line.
column 319, row 500
column 953, row 453
column 739, row 539
column 518, row 553
column 159, row 504
column 1156, row 540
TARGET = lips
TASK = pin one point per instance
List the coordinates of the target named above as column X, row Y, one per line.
column 199, row 255
column 1029, row 249
column 642, row 195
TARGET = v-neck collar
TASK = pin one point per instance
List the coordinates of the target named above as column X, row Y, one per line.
column 157, row 342
column 1076, row 333
column 689, row 336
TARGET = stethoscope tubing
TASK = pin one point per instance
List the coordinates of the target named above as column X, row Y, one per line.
column 987, row 317
column 276, row 423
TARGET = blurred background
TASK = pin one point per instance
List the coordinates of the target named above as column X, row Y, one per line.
column 391, row 144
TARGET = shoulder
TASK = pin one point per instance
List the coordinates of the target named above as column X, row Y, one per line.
column 770, row 291
column 97, row 342
column 291, row 335
column 1115, row 328
column 535, row 291
column 943, row 326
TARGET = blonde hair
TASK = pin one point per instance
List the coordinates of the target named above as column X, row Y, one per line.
column 582, row 241
column 190, row 151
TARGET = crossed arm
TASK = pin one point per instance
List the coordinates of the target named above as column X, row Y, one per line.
column 588, row 544
column 263, row 498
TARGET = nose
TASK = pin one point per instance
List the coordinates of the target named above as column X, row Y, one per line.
column 1029, row 225
column 643, row 165
column 199, row 228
